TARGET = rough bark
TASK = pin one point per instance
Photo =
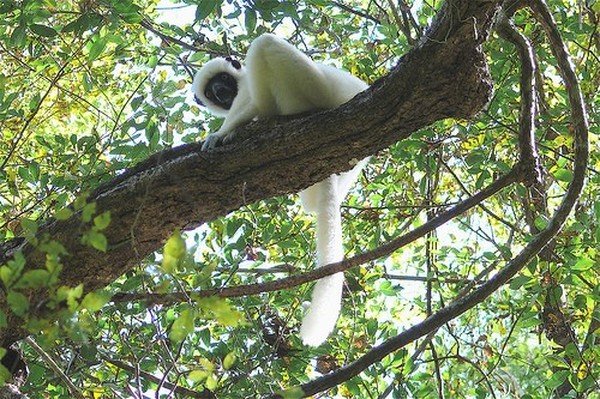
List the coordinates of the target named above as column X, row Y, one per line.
column 445, row 76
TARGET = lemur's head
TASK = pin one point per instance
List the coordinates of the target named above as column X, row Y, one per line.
column 216, row 84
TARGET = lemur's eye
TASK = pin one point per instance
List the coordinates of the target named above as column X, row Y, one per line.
column 221, row 89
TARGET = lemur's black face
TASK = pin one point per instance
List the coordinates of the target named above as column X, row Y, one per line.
column 221, row 89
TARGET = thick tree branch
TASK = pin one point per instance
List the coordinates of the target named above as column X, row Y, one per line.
column 445, row 76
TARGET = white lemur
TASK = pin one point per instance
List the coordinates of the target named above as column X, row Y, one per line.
column 278, row 79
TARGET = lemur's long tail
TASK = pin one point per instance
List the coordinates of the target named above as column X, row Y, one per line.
column 325, row 306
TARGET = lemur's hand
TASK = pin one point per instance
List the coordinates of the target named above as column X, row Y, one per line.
column 216, row 139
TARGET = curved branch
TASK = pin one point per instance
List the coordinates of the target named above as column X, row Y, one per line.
column 457, row 307
column 528, row 152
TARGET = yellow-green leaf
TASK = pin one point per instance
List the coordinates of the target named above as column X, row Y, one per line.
column 211, row 382
column 221, row 311
column 583, row 264
column 88, row 211
column 94, row 301
column 96, row 240
column 18, row 303
column 173, row 252
column 35, row 279
column 102, row 221
column 6, row 275
column 183, row 325
column 198, row 375
column 63, row 214
column 229, row 360
column 292, row 393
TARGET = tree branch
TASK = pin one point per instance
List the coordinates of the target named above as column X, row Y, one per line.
column 73, row 389
column 316, row 274
column 445, row 76
column 458, row 307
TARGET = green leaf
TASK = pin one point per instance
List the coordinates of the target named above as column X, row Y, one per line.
column 229, row 360
column 95, row 300
column 88, row 211
column 71, row 295
column 12, row 271
column 292, row 393
column 81, row 200
column 563, row 175
column 136, row 102
column 29, row 226
column 43, row 30
column 173, row 252
column 557, row 379
column 97, row 48
column 63, row 214
column 386, row 288
column 5, row 375
column 36, row 278
column 129, row 11
column 518, row 282
column 75, row 25
column 205, row 8
column 89, row 352
column 18, row 303
column 250, row 20
column 583, row 264
column 17, row 38
column 3, row 322
column 182, row 326
column 102, row 221
column 541, row 222
column 96, row 240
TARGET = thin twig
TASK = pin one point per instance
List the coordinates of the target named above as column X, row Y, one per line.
column 355, row 12
column 73, row 389
column 205, row 394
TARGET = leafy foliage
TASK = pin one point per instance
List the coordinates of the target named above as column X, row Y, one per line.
column 89, row 88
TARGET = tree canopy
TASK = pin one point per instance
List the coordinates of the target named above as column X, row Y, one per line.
column 135, row 265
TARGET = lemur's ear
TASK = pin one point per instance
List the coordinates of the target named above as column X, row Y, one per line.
column 234, row 63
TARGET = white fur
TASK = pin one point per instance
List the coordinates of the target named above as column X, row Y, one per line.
column 280, row 80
